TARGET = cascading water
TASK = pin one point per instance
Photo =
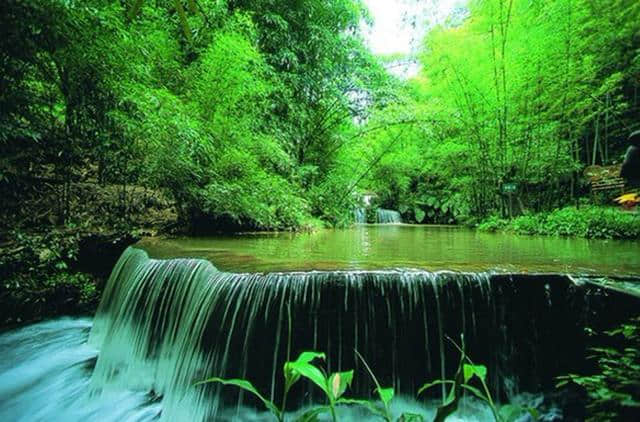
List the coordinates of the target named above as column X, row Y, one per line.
column 45, row 375
column 360, row 215
column 388, row 216
column 164, row 324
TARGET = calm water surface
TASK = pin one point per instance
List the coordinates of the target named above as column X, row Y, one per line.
column 404, row 246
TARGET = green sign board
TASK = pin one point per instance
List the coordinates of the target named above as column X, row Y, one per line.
column 509, row 187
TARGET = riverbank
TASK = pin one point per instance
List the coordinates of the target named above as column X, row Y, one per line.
column 61, row 271
column 590, row 222
column 55, row 255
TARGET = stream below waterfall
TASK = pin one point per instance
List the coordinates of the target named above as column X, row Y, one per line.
column 45, row 375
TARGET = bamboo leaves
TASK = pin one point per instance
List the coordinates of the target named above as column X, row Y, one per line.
column 182, row 15
column 135, row 8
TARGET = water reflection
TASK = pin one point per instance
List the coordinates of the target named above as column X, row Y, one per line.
column 407, row 246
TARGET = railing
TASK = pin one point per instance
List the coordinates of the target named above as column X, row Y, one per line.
column 608, row 184
column 603, row 178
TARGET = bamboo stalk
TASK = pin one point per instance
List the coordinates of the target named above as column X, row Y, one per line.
column 134, row 10
column 183, row 21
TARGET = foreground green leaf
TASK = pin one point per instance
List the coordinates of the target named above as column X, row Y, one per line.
column 245, row 385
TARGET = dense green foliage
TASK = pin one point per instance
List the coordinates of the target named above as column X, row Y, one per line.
column 517, row 91
column 233, row 108
column 588, row 222
column 255, row 114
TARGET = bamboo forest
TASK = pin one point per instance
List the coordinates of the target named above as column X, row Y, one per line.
column 319, row 210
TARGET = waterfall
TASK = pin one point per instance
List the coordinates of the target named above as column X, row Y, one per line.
column 163, row 325
column 388, row 216
column 360, row 215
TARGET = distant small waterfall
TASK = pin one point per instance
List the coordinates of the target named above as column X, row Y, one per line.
column 384, row 216
column 360, row 215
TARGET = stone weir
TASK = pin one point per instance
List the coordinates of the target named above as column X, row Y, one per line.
column 164, row 324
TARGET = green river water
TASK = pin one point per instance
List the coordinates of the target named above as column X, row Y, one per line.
column 434, row 248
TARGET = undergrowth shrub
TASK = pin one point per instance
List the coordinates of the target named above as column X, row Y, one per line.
column 37, row 278
column 493, row 224
column 588, row 222
column 526, row 224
